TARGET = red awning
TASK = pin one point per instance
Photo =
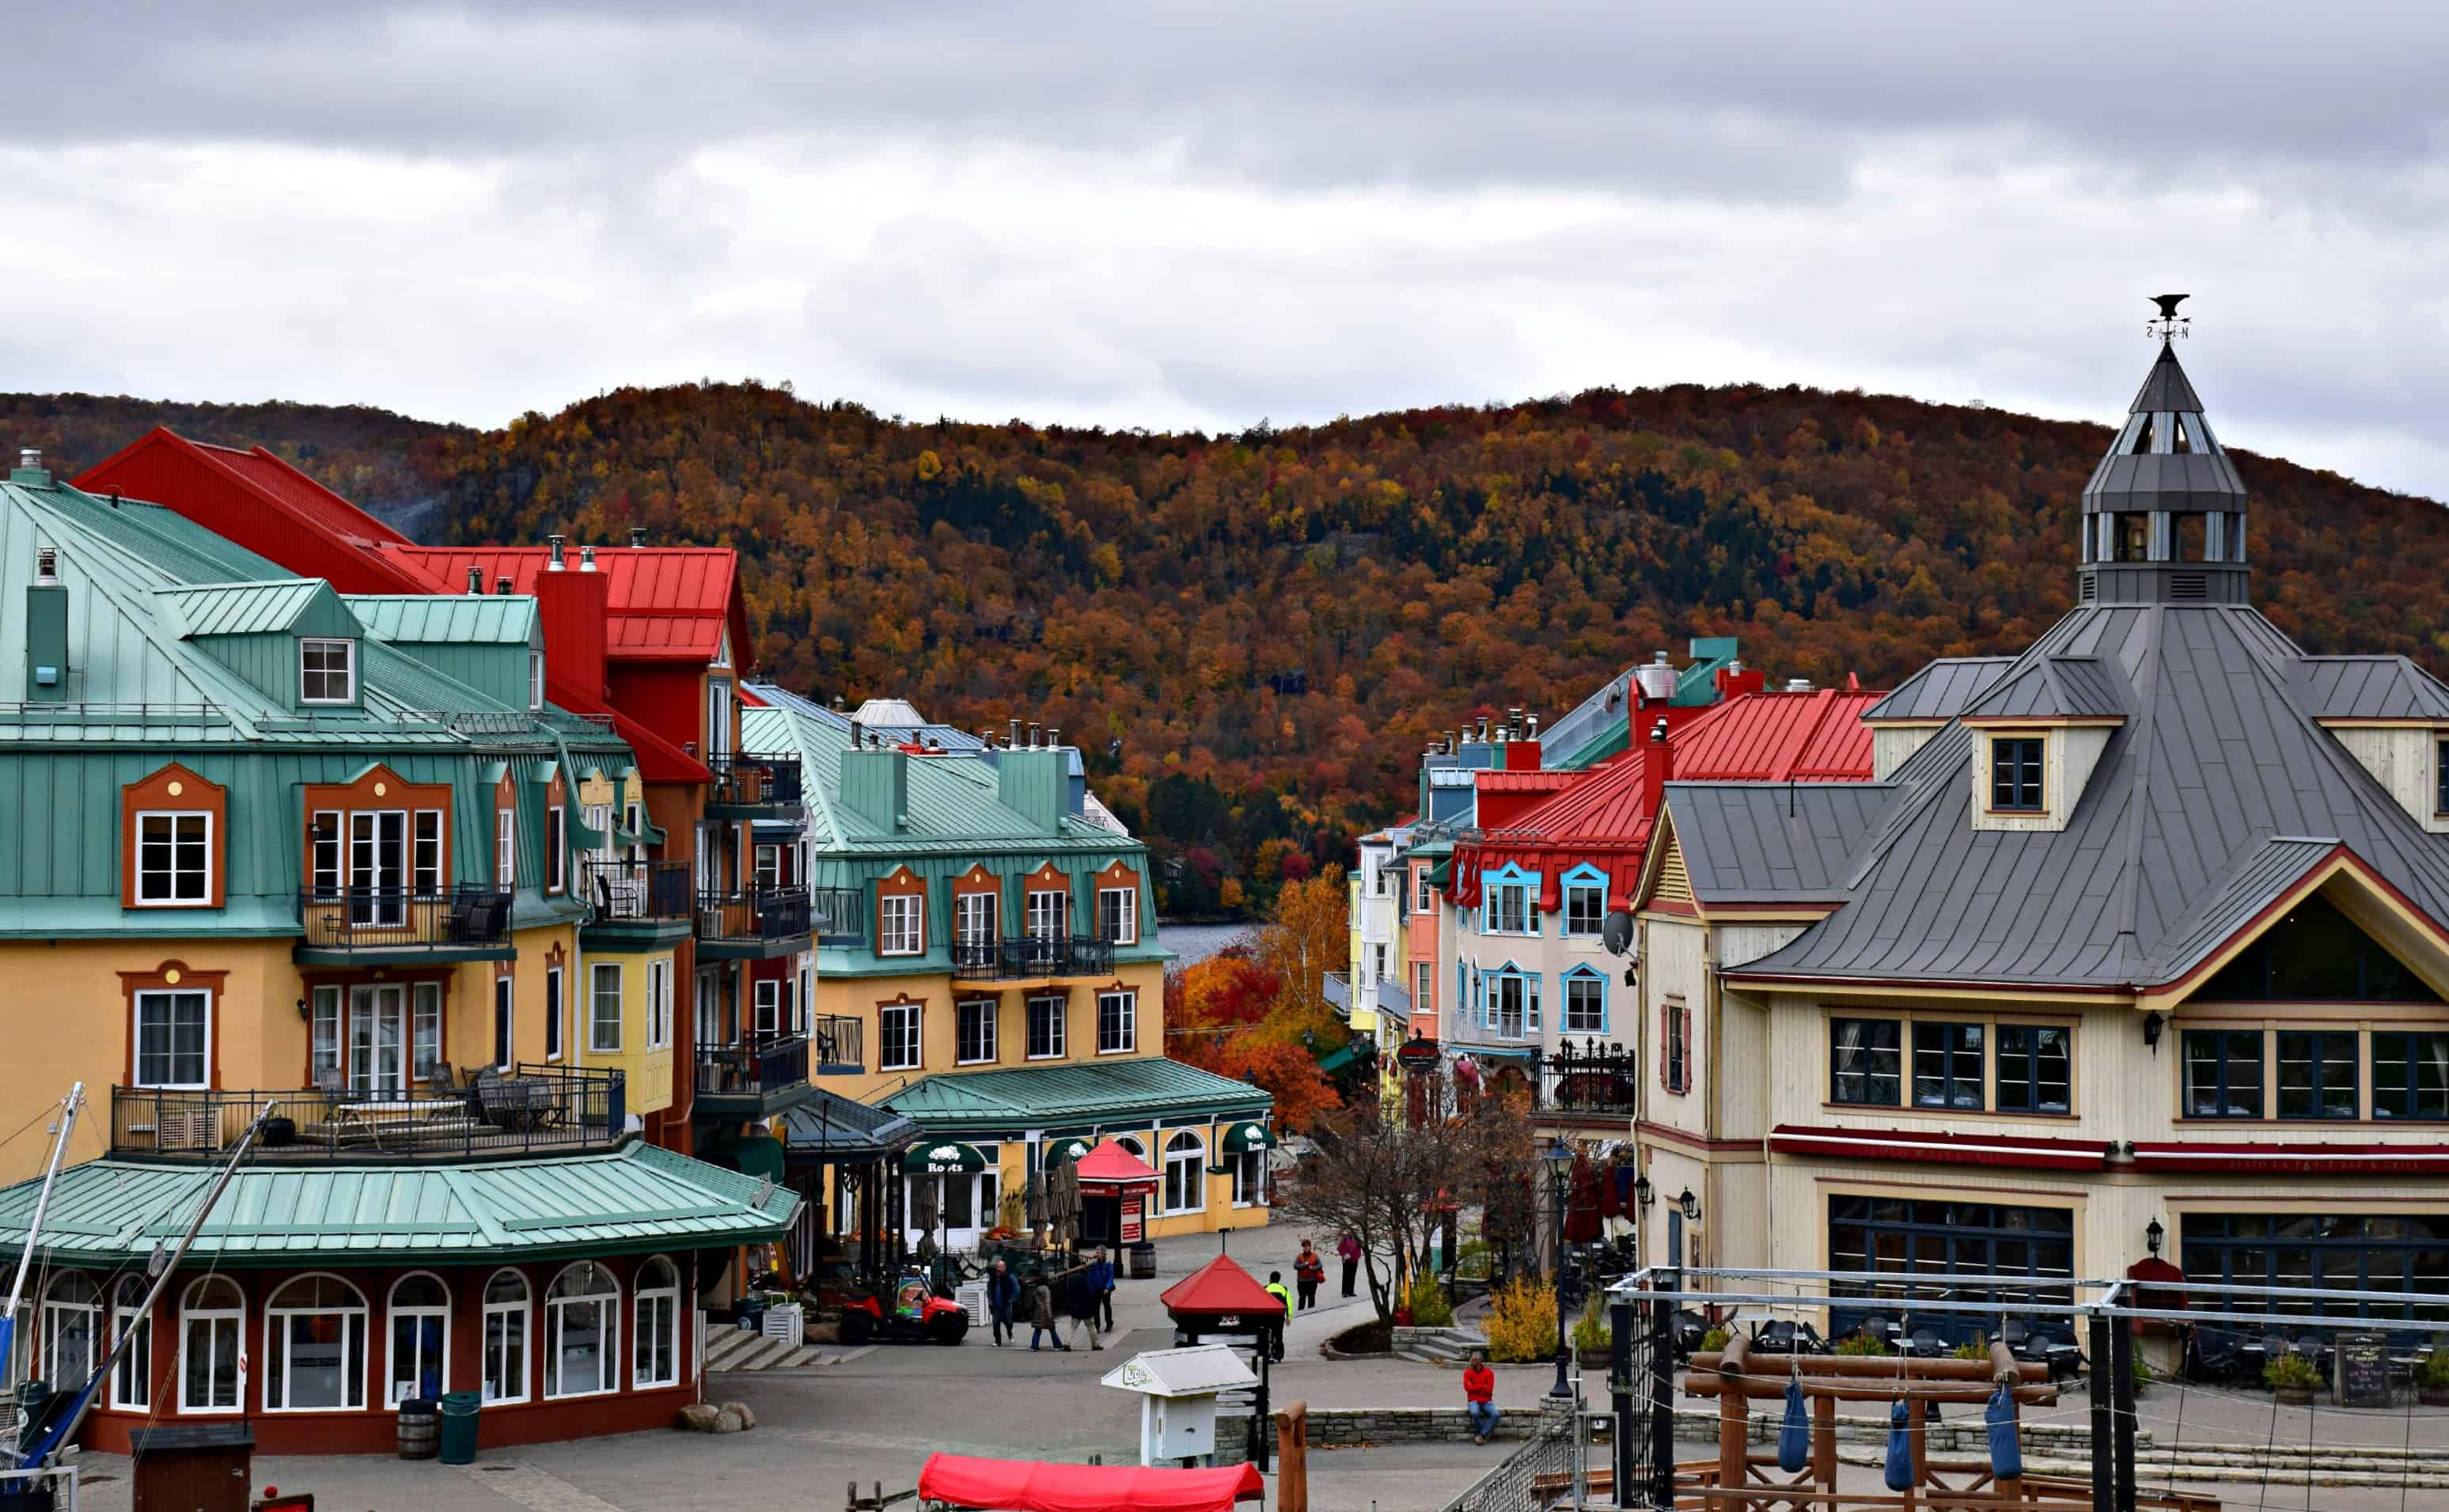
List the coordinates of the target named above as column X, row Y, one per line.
column 1116, row 1172
column 1221, row 1289
column 1033, row 1485
column 1939, row 1147
column 2295, row 1159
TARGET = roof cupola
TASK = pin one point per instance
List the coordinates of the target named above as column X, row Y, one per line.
column 2164, row 514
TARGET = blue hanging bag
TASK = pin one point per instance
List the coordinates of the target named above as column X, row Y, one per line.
column 1900, row 1469
column 1794, row 1439
column 2006, row 1449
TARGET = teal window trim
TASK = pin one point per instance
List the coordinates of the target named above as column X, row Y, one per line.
column 1510, row 876
column 1583, row 877
column 1578, row 975
column 1525, row 1014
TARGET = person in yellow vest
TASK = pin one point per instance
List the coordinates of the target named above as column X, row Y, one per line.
column 1276, row 1289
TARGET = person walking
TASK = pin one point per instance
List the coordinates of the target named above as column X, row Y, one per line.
column 1309, row 1274
column 1275, row 1288
column 1479, row 1397
column 1080, row 1304
column 1003, row 1297
column 1101, row 1276
column 1348, row 1248
column 1041, row 1315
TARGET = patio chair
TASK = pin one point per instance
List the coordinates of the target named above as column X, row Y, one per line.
column 2214, row 1355
column 1927, row 1343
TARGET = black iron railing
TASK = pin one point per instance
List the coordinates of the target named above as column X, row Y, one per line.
column 1592, row 1078
column 837, row 1044
column 754, row 781
column 839, row 915
column 642, row 891
column 528, row 1109
column 471, row 913
column 755, row 916
column 752, row 1069
column 992, row 960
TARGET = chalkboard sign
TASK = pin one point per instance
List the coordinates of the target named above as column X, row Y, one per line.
column 2363, row 1370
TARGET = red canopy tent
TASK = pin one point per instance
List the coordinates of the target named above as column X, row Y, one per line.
column 1220, row 1297
column 1033, row 1485
column 1115, row 1172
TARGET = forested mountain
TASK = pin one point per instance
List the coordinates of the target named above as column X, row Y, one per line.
column 1253, row 636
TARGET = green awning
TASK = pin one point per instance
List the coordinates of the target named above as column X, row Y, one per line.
column 1343, row 1058
column 1242, row 1138
column 1063, row 1152
column 756, row 1155
column 1440, row 873
column 943, row 1158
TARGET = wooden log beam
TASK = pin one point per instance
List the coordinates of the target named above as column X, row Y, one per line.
column 1765, row 1387
column 1944, row 1368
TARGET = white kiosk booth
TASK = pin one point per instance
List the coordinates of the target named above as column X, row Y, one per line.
column 1178, row 1390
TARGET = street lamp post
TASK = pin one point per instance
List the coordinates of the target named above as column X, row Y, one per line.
column 1559, row 1160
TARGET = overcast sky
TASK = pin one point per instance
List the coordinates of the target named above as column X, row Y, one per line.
column 1200, row 215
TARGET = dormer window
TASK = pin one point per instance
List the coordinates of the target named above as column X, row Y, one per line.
column 2441, row 777
column 327, row 671
column 2016, row 773
column 535, row 681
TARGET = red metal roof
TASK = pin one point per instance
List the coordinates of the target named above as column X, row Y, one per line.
column 303, row 494
column 1774, row 737
column 669, row 603
column 1109, row 1162
column 1219, row 1287
column 1525, row 781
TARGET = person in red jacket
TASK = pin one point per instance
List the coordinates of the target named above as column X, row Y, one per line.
column 1309, row 1274
column 1348, row 1248
column 1479, row 1397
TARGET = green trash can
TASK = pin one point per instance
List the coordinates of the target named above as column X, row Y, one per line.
column 459, row 1427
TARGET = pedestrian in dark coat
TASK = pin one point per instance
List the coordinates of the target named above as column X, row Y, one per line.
column 1348, row 1248
column 1041, row 1315
column 1081, row 1300
column 1003, row 1296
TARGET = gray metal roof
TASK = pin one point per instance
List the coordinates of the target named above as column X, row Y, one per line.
column 2369, row 688
column 2055, row 688
column 830, row 1126
column 2199, row 813
column 1758, row 842
column 1940, row 690
column 2144, row 468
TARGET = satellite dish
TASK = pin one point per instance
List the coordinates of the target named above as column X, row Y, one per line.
column 1615, row 932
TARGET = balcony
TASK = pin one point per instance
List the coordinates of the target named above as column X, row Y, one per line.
column 638, row 904
column 753, row 787
column 404, row 926
column 528, row 1110
column 837, row 1044
column 752, row 924
column 1031, row 959
column 839, row 915
column 1596, row 1078
column 756, row 1079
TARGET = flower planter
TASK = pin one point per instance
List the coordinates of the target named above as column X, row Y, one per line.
column 2294, row 1396
column 2433, row 1396
column 1402, row 1317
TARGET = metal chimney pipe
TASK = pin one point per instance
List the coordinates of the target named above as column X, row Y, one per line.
column 1053, row 736
column 475, row 580
column 637, row 535
column 1533, row 732
column 555, row 564
column 585, row 559
column 502, row 586
column 1013, row 740
column 1033, row 735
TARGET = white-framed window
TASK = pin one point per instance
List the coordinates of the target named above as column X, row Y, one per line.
column 1584, row 909
column 212, row 1363
column 506, row 849
column 506, row 1337
column 598, row 817
column 659, row 1004
column 324, row 827
column 767, row 993
column 604, row 1009
column 425, row 1029
column 174, row 1038
column 425, row 851
column 896, row 1033
column 1118, row 1022
column 904, row 930
column 323, row 1043
column 1378, row 964
column 1050, row 914
column 1423, row 982
column 314, row 1346
column 581, row 1332
column 1046, row 1016
column 327, row 671
column 535, row 679
column 655, row 1326
column 1506, row 909
column 974, row 919
column 420, row 1357
column 71, row 1330
column 1513, row 1006
column 1185, row 1173
column 1118, row 915
column 974, row 1030
column 1250, row 1178
column 556, row 848
column 131, row 1380
column 553, row 1013
column 1132, row 1143
column 1421, row 902
column 718, row 718
column 174, row 859
column 769, row 866
column 1585, row 1005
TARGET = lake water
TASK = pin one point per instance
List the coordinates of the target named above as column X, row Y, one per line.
column 1197, row 942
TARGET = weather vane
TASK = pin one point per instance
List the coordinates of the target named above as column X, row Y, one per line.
column 2170, row 324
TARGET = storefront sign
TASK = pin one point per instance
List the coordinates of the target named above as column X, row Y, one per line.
column 2363, row 1371
column 1131, row 1221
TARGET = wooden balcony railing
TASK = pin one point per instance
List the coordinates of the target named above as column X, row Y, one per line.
column 527, row 1110
column 472, row 914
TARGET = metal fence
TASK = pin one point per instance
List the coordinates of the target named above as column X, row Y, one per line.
column 1532, row 1479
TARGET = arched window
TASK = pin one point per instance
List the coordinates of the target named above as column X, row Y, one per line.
column 581, row 1331
column 72, row 1313
column 506, row 1337
column 132, row 1383
column 314, row 1346
column 1131, row 1143
column 212, row 1376
column 1185, row 1174
column 654, row 1331
column 420, row 1340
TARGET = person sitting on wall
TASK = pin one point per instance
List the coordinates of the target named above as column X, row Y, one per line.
column 1479, row 1398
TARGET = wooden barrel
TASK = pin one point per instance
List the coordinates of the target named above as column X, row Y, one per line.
column 420, row 1430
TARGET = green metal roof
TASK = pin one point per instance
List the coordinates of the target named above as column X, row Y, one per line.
column 461, row 619
column 636, row 1198
column 1109, row 1094
column 254, row 608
